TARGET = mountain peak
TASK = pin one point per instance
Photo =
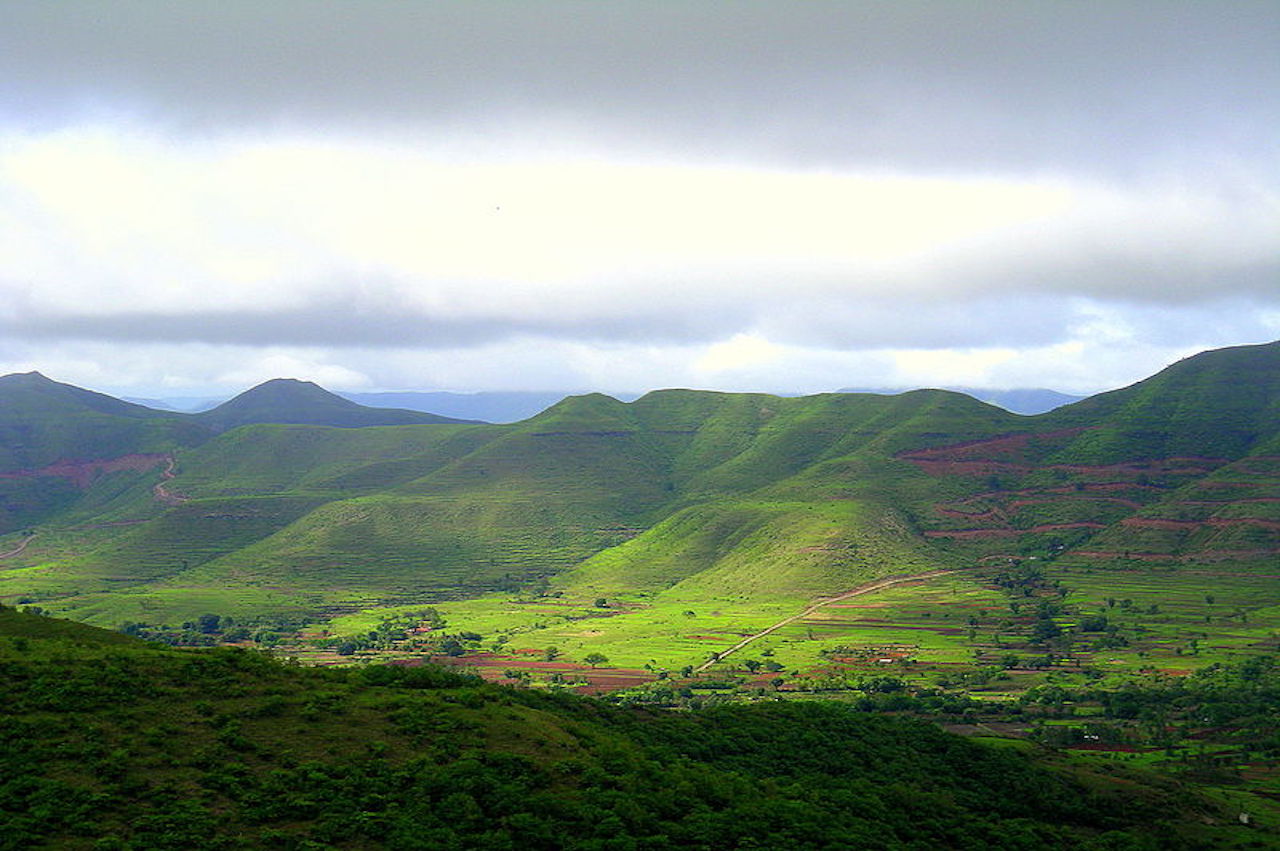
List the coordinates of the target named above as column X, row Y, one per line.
column 298, row 402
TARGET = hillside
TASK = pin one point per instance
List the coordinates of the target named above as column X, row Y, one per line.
column 289, row 401
column 492, row 406
column 113, row 743
column 748, row 502
column 1028, row 401
column 1180, row 467
column 58, row 443
column 43, row 422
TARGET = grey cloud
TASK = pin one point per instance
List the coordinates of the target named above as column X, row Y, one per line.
column 920, row 323
column 1104, row 85
column 850, row 322
column 346, row 323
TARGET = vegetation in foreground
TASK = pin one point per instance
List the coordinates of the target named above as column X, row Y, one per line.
column 114, row 743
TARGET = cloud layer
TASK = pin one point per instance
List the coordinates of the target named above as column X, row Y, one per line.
column 625, row 195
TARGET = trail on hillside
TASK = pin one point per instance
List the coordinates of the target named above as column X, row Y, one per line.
column 877, row 585
column 22, row 545
column 161, row 492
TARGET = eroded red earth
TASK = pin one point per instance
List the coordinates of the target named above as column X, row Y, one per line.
column 1090, row 499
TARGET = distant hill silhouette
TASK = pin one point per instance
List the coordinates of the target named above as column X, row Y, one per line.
column 1029, row 401
column 287, row 400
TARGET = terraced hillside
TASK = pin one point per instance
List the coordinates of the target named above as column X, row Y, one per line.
column 1182, row 467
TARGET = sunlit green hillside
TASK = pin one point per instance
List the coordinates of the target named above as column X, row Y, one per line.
column 748, row 499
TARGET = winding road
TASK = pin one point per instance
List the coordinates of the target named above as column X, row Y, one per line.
column 22, row 545
column 161, row 492
column 877, row 585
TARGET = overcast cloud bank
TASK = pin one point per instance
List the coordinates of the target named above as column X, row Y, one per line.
column 625, row 196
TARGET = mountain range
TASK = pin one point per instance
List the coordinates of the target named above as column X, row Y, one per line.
column 513, row 406
column 289, row 498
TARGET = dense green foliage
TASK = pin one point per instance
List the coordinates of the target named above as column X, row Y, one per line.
column 124, row 745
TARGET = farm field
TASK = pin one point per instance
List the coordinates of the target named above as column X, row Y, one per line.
column 934, row 632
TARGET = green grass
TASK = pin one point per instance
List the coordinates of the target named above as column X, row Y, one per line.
column 682, row 495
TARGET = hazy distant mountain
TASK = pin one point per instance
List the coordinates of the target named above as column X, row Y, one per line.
column 180, row 404
column 493, row 407
column 289, row 401
column 1018, row 401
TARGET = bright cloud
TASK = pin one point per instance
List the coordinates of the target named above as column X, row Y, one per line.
column 622, row 196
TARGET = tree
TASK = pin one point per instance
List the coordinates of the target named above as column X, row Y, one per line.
column 595, row 658
column 551, row 653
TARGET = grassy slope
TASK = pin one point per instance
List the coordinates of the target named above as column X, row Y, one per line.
column 110, row 743
column 1223, row 404
column 725, row 497
column 43, row 421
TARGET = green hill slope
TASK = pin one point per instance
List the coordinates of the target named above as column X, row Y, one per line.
column 287, row 400
column 735, row 497
column 1219, row 404
column 43, row 422
column 110, row 743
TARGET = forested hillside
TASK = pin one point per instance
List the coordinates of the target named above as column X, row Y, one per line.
column 111, row 743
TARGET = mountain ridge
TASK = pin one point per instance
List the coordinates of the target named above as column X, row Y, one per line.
column 293, row 402
column 837, row 488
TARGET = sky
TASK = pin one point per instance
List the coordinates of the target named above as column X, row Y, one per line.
column 783, row 196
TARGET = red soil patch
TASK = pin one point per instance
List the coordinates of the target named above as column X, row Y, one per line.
column 942, row 468
column 82, row 473
column 1160, row 523
column 491, row 666
column 940, row 630
column 966, row 534
column 1005, row 447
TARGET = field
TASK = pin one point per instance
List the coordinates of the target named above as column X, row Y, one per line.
column 1170, row 622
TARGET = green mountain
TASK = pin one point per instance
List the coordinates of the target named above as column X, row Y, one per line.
column 287, row 400
column 1220, row 404
column 1177, row 468
column 63, row 450
column 43, row 422
column 113, row 743
column 751, row 498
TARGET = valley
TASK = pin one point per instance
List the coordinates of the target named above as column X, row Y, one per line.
column 922, row 554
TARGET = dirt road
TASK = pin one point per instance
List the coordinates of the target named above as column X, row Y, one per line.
column 21, row 546
column 161, row 492
column 877, row 585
